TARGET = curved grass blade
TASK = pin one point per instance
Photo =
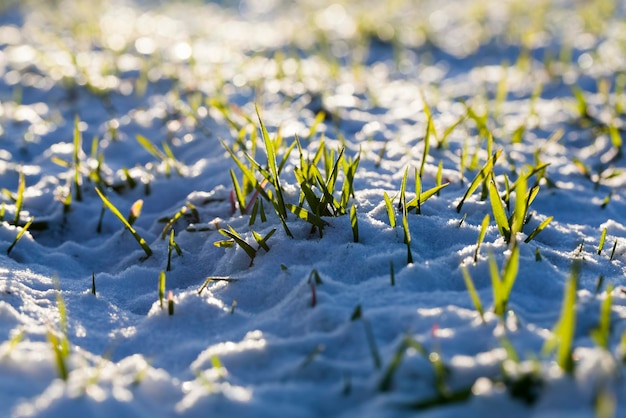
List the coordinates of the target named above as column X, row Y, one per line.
column 473, row 293
column 391, row 213
column 480, row 177
column 304, row 214
column 537, row 230
column 481, row 235
column 498, row 212
column 144, row 245
column 19, row 235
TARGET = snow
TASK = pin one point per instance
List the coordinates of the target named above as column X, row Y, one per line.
column 263, row 338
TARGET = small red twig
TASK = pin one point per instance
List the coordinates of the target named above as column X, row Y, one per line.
column 233, row 206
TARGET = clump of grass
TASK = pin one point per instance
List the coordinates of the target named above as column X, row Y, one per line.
column 310, row 179
column 509, row 227
column 144, row 245
column 271, row 175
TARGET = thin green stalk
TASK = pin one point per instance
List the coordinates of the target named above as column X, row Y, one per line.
column 144, row 245
column 19, row 235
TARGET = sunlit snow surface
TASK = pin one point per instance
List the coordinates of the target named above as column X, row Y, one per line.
column 255, row 346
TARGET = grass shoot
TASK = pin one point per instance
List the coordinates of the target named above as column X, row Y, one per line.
column 562, row 337
column 144, row 245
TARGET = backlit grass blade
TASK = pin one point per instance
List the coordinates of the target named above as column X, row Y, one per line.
column 439, row 176
column 354, row 223
column 19, row 199
column 602, row 333
column 509, row 273
column 498, row 211
column 262, row 241
column 144, row 245
column 602, row 239
column 172, row 221
column 19, row 235
column 150, row 147
column 241, row 201
column 478, row 180
column 59, row 356
column 537, row 230
column 391, row 213
column 78, row 140
column 481, row 236
column 304, row 214
column 407, row 238
column 521, row 206
column 562, row 338
column 429, row 127
column 473, row 293
column 232, row 234
column 496, row 286
column 271, row 162
column 161, row 288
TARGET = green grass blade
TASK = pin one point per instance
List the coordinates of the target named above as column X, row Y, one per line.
column 498, row 211
column 19, row 235
column 509, row 273
column 232, row 234
column 307, row 216
column 429, row 127
column 161, row 288
column 473, row 293
column 19, row 200
column 354, row 223
column 521, row 207
column 537, row 230
column 391, row 213
column 271, row 162
column 150, row 147
column 241, row 201
column 78, row 140
column 172, row 221
column 602, row 239
column 144, row 245
column 563, row 333
column 407, row 238
column 481, row 236
column 601, row 334
column 478, row 180
column 499, row 303
column 431, row 192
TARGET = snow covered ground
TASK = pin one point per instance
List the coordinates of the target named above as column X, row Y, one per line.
column 319, row 323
